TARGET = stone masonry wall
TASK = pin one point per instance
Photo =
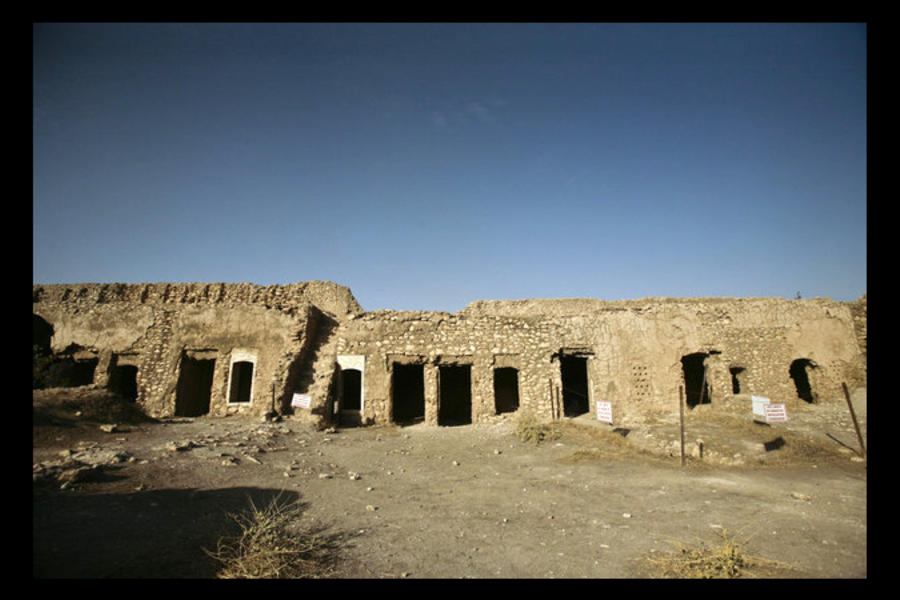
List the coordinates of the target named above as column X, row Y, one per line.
column 155, row 326
column 634, row 350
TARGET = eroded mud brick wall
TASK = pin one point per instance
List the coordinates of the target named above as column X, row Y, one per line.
column 166, row 329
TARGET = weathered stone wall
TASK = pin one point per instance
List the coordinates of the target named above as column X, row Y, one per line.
column 155, row 326
column 295, row 334
column 634, row 349
column 436, row 338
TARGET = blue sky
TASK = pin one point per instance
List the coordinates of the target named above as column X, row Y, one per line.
column 429, row 165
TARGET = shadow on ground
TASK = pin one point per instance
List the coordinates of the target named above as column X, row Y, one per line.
column 148, row 534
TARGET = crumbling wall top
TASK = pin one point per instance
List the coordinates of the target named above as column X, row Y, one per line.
column 329, row 297
column 564, row 307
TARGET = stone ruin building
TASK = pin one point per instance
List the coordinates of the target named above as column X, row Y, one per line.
column 310, row 351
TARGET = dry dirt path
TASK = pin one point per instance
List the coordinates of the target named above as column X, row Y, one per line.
column 427, row 502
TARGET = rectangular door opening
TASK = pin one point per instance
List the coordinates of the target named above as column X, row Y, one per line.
column 575, row 385
column 506, row 390
column 407, row 393
column 455, row 395
column 241, row 382
column 123, row 381
column 194, row 386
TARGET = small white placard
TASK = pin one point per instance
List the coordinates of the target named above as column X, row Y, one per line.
column 301, row 400
column 604, row 412
column 759, row 405
column 775, row 413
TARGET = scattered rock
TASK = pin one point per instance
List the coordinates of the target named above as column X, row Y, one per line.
column 371, row 508
column 271, row 417
column 110, row 428
column 353, row 475
column 181, row 446
column 324, row 475
column 799, row 496
column 65, row 472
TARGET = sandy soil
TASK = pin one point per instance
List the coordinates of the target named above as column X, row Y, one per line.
column 451, row 502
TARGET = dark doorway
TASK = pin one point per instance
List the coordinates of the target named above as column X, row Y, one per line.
column 455, row 395
column 350, row 389
column 241, row 382
column 407, row 393
column 69, row 372
column 123, row 381
column 801, row 378
column 575, row 385
column 506, row 390
column 736, row 376
column 696, row 386
column 194, row 386
column 42, row 332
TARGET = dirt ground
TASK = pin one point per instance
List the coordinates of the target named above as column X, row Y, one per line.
column 450, row 502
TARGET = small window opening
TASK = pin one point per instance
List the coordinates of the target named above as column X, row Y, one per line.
column 407, row 393
column 696, row 386
column 800, row 374
column 736, row 376
column 241, row 382
column 506, row 389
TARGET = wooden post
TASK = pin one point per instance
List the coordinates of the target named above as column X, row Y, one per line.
column 853, row 416
column 681, row 419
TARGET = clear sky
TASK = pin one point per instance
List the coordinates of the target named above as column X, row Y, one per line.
column 429, row 165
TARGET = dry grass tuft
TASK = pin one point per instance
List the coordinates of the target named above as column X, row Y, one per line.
column 727, row 560
column 530, row 429
column 272, row 545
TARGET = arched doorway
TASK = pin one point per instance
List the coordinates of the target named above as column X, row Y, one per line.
column 696, row 385
column 351, row 388
column 799, row 372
